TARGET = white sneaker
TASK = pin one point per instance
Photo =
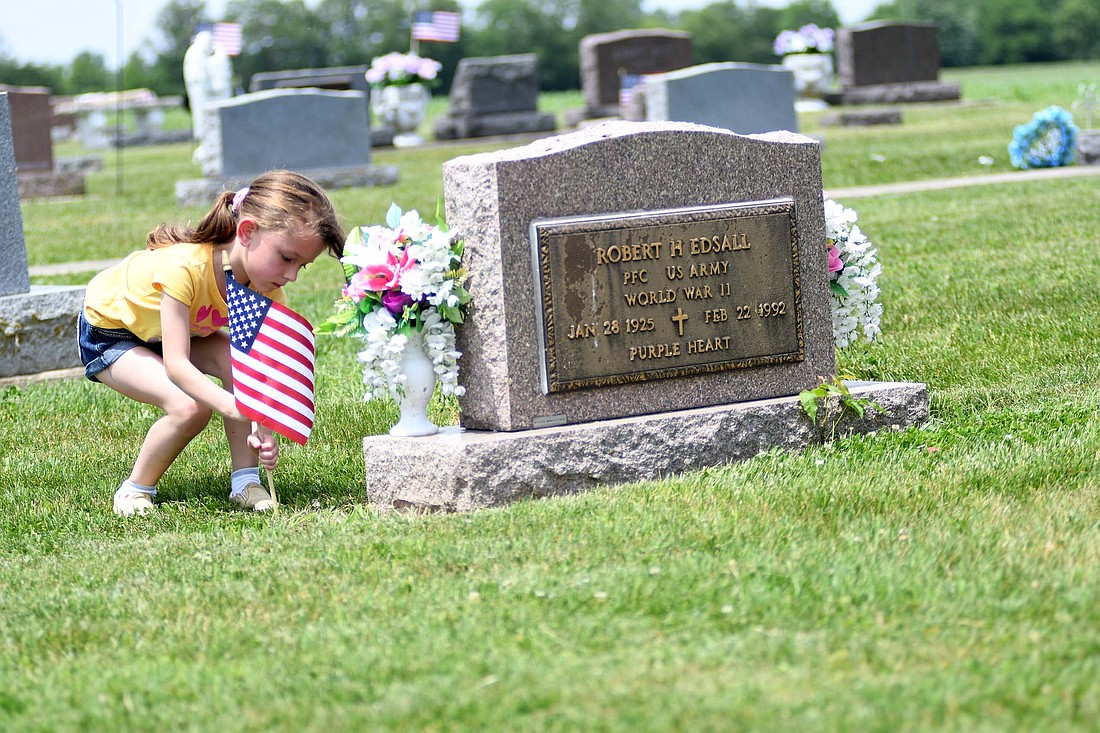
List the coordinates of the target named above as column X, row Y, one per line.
column 254, row 497
column 129, row 502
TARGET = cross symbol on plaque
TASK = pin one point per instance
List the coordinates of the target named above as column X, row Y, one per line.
column 680, row 317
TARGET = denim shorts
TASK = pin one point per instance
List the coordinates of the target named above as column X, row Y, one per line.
column 101, row 347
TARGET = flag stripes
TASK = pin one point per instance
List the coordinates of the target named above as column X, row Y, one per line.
column 272, row 350
column 227, row 38
column 438, row 25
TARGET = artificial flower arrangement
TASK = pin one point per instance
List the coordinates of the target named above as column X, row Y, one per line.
column 1048, row 141
column 807, row 39
column 853, row 270
column 399, row 69
column 402, row 278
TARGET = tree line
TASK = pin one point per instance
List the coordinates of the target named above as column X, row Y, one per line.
column 281, row 35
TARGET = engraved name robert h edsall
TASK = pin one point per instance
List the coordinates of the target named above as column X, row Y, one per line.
column 648, row 251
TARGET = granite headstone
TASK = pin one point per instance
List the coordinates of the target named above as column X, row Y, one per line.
column 607, row 57
column 743, row 98
column 292, row 128
column 656, row 310
column 885, row 62
column 495, row 95
column 30, row 127
column 319, row 132
column 37, row 323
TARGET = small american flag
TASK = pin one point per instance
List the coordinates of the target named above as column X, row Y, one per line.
column 272, row 350
column 439, row 25
column 227, row 38
column 628, row 83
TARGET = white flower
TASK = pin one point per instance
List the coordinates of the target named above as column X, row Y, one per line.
column 858, row 313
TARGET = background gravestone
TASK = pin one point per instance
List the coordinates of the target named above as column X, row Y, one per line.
column 888, row 62
column 31, row 130
column 37, row 324
column 321, row 133
column 607, row 57
column 495, row 95
column 337, row 78
column 30, row 127
column 292, row 128
column 743, row 98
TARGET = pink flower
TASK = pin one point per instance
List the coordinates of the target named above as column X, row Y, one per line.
column 386, row 276
column 835, row 264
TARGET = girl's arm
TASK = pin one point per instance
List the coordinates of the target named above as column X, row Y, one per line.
column 176, row 342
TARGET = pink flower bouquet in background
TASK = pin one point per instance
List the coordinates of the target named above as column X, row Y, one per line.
column 399, row 69
column 403, row 277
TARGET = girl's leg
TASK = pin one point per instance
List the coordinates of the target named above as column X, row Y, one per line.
column 139, row 374
column 211, row 355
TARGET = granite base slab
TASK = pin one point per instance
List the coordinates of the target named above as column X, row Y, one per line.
column 38, row 330
column 203, row 191
column 461, row 470
column 902, row 93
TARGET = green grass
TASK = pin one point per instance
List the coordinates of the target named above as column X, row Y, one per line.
column 941, row 578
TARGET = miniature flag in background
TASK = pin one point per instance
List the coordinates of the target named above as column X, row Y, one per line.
column 627, row 85
column 227, row 38
column 272, row 350
column 439, row 25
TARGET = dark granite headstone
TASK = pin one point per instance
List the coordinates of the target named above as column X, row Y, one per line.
column 495, row 95
column 890, row 63
column 607, row 57
column 887, row 53
column 30, row 127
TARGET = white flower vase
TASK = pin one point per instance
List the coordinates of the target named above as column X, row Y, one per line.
column 813, row 77
column 403, row 108
column 412, row 399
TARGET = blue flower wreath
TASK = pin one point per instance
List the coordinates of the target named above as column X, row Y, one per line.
column 1048, row 141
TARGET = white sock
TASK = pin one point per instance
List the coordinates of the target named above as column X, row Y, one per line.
column 129, row 487
column 242, row 477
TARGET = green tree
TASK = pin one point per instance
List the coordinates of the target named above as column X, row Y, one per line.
column 726, row 31
column 1077, row 29
column 136, row 72
column 1014, row 32
column 801, row 12
column 359, row 30
column 278, row 35
column 176, row 23
column 504, row 27
column 16, row 74
column 956, row 26
column 88, row 73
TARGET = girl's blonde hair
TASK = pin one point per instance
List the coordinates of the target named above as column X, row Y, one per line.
column 278, row 200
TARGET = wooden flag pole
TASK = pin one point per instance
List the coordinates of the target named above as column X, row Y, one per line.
column 270, row 481
column 271, row 488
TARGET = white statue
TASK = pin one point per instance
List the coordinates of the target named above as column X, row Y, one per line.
column 209, row 78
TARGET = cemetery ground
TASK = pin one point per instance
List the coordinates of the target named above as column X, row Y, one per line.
column 945, row 577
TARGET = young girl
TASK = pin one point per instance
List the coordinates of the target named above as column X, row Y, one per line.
column 152, row 325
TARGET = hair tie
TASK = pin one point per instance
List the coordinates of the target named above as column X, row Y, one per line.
column 238, row 198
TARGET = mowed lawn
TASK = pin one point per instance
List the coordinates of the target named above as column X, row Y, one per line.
column 945, row 577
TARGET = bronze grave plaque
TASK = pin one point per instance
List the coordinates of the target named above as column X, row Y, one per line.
column 630, row 297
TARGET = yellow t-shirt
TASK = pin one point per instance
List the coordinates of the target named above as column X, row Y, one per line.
column 127, row 295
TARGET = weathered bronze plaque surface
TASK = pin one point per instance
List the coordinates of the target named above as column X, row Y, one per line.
column 631, row 297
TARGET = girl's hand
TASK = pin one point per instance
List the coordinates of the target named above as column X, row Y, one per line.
column 267, row 447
